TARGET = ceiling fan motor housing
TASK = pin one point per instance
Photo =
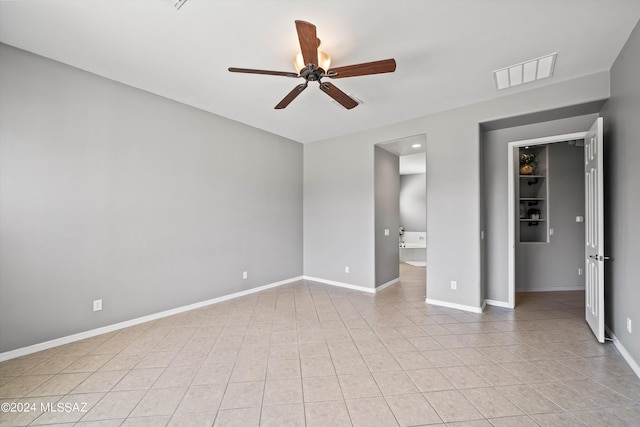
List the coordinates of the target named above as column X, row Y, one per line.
column 311, row 73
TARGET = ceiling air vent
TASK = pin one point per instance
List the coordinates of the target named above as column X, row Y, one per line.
column 525, row 72
column 178, row 3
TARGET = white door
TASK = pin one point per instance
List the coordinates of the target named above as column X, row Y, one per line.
column 594, row 230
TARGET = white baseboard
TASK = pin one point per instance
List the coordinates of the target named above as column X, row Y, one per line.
column 456, row 306
column 340, row 284
column 550, row 289
column 497, row 303
column 350, row 286
column 117, row 326
column 623, row 351
column 389, row 283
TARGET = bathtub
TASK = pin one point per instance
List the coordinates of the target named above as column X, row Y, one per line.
column 413, row 246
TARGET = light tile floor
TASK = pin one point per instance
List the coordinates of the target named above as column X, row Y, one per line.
column 308, row 354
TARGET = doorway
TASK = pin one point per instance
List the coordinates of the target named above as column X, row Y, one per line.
column 546, row 214
column 408, row 197
column 500, row 209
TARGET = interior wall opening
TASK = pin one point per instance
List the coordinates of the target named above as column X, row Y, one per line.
column 501, row 214
column 549, row 225
column 410, row 201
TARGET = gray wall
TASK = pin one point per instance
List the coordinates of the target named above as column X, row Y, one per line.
column 387, row 215
column 554, row 265
column 110, row 192
column 339, row 200
column 339, row 212
column 495, row 200
column 622, row 197
column 413, row 202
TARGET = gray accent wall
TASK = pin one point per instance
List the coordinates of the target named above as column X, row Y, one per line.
column 495, row 203
column 109, row 192
column 622, row 196
column 387, row 215
column 339, row 198
column 413, row 202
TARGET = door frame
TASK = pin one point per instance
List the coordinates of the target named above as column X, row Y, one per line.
column 512, row 158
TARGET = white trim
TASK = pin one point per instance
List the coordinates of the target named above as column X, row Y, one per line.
column 455, row 306
column 350, row 286
column 498, row 303
column 511, row 226
column 550, row 139
column 12, row 354
column 389, row 283
column 624, row 353
column 511, row 202
column 340, row 284
column 551, row 289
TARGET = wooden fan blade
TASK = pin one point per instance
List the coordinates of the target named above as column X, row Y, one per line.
column 308, row 42
column 345, row 100
column 375, row 67
column 268, row 72
column 291, row 96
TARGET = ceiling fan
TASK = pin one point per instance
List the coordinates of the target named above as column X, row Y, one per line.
column 315, row 67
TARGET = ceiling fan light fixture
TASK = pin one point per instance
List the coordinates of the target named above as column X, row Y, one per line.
column 313, row 65
column 324, row 61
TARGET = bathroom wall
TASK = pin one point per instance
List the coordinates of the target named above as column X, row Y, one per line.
column 413, row 202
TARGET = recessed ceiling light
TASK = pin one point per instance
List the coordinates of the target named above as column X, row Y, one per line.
column 416, row 146
column 525, row 72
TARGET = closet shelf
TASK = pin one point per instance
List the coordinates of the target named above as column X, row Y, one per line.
column 532, row 195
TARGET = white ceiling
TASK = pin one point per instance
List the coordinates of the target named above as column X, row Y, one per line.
column 412, row 153
column 445, row 51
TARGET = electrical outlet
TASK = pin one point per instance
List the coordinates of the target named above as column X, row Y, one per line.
column 346, row 269
column 454, row 285
column 628, row 324
column 97, row 305
column 579, row 271
column 245, row 274
column 551, row 232
column 386, row 231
